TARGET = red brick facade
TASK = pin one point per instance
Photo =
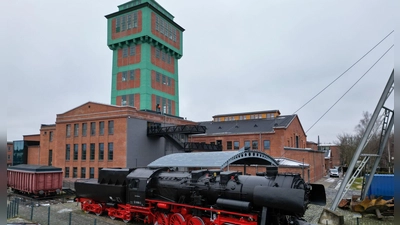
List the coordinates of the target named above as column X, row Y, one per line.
column 280, row 139
column 176, row 44
column 160, row 86
column 86, row 114
column 129, row 59
column 138, row 29
column 162, row 64
column 128, row 83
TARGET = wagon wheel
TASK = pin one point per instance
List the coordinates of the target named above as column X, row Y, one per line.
column 161, row 219
column 195, row 221
column 176, row 219
column 99, row 211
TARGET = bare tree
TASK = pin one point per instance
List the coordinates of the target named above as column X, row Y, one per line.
column 348, row 143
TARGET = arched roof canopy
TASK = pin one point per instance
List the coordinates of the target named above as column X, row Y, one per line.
column 214, row 159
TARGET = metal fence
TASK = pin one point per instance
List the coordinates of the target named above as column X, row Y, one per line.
column 12, row 208
column 55, row 213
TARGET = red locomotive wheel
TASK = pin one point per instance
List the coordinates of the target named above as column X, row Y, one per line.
column 177, row 219
column 99, row 210
column 195, row 221
column 161, row 219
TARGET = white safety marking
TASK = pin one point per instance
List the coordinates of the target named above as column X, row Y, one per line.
column 330, row 180
column 338, row 185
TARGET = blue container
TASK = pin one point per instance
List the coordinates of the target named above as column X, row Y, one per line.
column 381, row 185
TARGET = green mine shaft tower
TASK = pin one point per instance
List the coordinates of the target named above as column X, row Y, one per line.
column 146, row 45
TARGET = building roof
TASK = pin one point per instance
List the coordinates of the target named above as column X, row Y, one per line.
column 35, row 168
column 248, row 113
column 213, row 159
column 247, row 126
column 285, row 162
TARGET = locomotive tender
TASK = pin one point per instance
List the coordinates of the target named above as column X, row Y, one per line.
column 201, row 197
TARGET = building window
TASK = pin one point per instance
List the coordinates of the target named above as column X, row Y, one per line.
column 91, row 175
column 66, row 172
column 8, row 157
column 132, row 50
column 74, row 172
column 131, row 99
column 101, row 127
column 75, row 151
column 111, row 127
column 297, row 141
column 126, row 22
column 83, row 172
column 125, row 52
column 229, row 145
column 76, row 130
column 101, row 151
column 123, row 100
column 235, row 145
column 68, row 130
column 254, row 145
column 84, row 129
column 158, row 77
column 266, row 144
column 124, row 76
column 110, row 151
column 51, row 136
column 93, row 128
column 83, row 152
column 247, row 144
column 132, row 75
column 165, row 28
column 157, row 53
column 92, row 151
column 50, row 157
column 67, row 152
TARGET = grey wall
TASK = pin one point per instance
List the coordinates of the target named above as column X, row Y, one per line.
column 141, row 149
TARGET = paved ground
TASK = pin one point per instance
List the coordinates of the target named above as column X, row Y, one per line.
column 69, row 212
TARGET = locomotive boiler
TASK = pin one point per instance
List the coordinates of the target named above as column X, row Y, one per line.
column 201, row 197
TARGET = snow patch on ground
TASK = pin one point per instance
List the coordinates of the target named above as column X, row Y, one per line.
column 64, row 210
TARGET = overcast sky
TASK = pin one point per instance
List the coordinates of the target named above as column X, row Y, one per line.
column 238, row 56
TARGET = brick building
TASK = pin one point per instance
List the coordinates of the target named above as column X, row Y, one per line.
column 280, row 136
column 332, row 155
column 94, row 136
column 146, row 45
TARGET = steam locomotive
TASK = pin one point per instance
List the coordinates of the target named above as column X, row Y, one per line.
column 202, row 197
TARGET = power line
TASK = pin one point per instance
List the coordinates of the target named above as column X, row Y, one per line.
column 343, row 72
column 350, row 88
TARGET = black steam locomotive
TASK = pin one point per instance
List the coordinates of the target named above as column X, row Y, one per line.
column 201, row 197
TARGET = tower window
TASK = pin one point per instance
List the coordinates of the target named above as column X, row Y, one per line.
column 125, row 52
column 132, row 75
column 165, row 28
column 132, row 50
column 123, row 100
column 157, row 53
column 124, row 76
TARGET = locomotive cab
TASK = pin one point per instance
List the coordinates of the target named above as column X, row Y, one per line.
column 138, row 182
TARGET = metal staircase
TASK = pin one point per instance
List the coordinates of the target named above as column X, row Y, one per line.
column 179, row 135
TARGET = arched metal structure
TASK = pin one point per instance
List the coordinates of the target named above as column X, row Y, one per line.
column 214, row 159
